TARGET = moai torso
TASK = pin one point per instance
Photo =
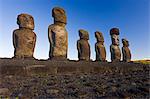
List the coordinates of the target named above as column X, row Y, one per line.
column 126, row 51
column 58, row 40
column 83, row 46
column 115, row 53
column 99, row 47
column 24, row 38
column 58, row 36
column 114, row 48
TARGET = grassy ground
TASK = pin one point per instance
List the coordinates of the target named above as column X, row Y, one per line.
column 142, row 61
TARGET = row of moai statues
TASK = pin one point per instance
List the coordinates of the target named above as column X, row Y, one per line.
column 24, row 40
column 84, row 47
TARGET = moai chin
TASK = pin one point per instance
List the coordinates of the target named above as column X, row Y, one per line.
column 83, row 46
column 24, row 38
column 58, row 36
column 114, row 47
column 126, row 51
column 99, row 47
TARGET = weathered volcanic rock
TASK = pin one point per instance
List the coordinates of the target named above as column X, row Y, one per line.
column 83, row 46
column 114, row 47
column 58, row 36
column 99, row 47
column 24, row 38
column 126, row 51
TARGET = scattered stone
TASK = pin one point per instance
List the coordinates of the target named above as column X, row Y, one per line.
column 4, row 91
column 52, row 91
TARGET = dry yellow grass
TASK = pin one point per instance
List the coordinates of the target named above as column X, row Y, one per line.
column 142, row 61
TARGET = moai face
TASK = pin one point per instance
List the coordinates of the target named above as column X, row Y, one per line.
column 83, row 34
column 115, row 39
column 125, row 43
column 59, row 15
column 99, row 36
column 114, row 32
column 25, row 21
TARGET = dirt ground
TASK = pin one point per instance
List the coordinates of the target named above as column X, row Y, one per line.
column 105, row 85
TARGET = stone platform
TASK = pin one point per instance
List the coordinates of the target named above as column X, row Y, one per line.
column 32, row 66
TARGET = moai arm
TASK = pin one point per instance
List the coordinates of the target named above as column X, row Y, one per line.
column 67, row 42
column 50, row 40
column 130, row 54
column 112, row 53
column 105, row 53
column 89, row 51
column 34, row 41
column 14, row 39
column 124, row 54
column 79, row 49
column 96, row 50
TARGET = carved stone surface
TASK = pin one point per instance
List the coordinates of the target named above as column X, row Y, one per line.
column 99, row 47
column 126, row 51
column 58, row 36
column 114, row 47
column 24, row 38
column 83, row 46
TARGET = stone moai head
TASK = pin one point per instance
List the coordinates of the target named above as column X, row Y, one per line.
column 59, row 15
column 114, row 32
column 83, row 34
column 99, row 36
column 125, row 42
column 25, row 21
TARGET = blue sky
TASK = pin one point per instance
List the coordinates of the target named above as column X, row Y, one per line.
column 130, row 16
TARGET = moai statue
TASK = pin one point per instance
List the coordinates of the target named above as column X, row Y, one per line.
column 83, row 46
column 24, row 38
column 114, row 48
column 58, row 36
column 126, row 51
column 99, row 47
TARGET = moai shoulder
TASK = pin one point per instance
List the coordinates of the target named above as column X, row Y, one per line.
column 58, row 36
column 24, row 38
column 99, row 47
column 114, row 47
column 126, row 51
column 83, row 46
